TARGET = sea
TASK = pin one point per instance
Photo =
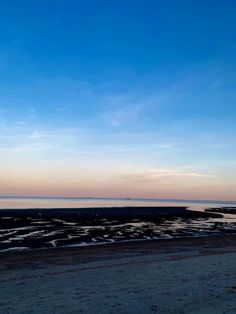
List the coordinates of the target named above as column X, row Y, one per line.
column 21, row 202
column 28, row 233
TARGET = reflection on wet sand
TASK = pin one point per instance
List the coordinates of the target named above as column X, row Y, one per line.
column 20, row 232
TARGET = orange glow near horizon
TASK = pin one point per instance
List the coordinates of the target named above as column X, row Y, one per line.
column 70, row 182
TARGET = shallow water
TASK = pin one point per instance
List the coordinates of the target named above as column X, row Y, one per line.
column 20, row 233
column 31, row 233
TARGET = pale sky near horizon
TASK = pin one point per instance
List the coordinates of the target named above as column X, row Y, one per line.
column 118, row 98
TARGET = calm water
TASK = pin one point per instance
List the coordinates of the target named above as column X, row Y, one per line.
column 57, row 202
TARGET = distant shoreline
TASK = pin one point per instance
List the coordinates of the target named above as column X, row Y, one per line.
column 118, row 198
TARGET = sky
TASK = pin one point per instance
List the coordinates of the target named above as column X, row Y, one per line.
column 118, row 98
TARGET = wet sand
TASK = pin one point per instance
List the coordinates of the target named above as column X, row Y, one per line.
column 107, row 212
column 25, row 229
column 224, row 210
column 191, row 275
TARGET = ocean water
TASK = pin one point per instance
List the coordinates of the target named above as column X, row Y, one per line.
column 65, row 202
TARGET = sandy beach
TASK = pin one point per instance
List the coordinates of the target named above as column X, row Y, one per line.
column 191, row 275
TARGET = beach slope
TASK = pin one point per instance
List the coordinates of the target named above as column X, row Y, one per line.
column 194, row 275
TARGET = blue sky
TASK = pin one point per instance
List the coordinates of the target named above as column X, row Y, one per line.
column 118, row 98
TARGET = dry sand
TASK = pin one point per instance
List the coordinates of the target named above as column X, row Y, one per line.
column 195, row 275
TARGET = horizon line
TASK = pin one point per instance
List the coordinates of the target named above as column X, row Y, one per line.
column 116, row 198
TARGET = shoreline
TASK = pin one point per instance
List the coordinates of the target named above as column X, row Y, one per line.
column 135, row 242
column 133, row 246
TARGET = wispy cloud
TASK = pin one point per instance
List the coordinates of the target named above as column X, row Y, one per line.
column 35, row 135
column 152, row 175
column 175, row 173
column 119, row 117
